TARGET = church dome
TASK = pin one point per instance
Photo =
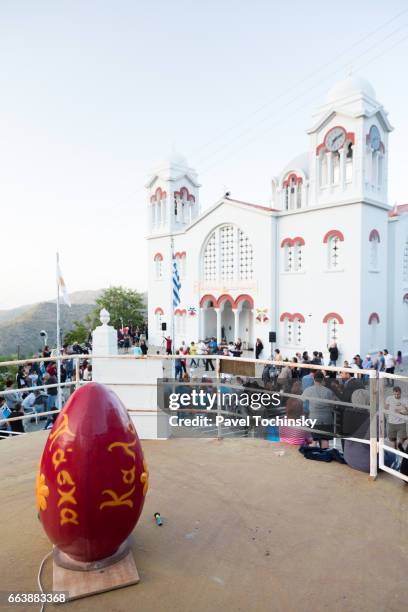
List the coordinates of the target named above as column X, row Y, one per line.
column 300, row 162
column 352, row 86
column 173, row 160
column 177, row 159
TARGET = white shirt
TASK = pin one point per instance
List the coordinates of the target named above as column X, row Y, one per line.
column 394, row 404
column 389, row 361
column 28, row 402
column 201, row 348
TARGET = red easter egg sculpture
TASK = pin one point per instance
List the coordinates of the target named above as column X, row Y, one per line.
column 92, row 478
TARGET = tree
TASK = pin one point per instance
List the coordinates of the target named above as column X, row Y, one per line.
column 79, row 333
column 125, row 306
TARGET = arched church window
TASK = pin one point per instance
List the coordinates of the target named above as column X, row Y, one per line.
column 180, row 321
column 332, row 331
column 333, row 240
column 228, row 255
column 380, row 168
column 373, row 322
column 405, row 262
column 158, row 266
column 349, row 162
column 227, row 252
column 374, row 247
column 334, row 252
column 181, row 264
column 298, row 245
column 288, row 257
column 333, row 322
column 158, row 314
column 298, row 324
column 210, row 259
column 288, row 331
column 299, row 195
column 323, row 169
column 246, row 257
column 336, row 167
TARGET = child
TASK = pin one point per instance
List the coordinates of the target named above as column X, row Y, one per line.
column 294, row 410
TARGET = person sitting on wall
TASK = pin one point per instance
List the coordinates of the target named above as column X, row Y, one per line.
column 285, row 377
column 397, row 412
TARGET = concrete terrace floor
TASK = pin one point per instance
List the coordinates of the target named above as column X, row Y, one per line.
column 245, row 529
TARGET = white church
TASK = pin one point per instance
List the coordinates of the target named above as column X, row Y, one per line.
column 326, row 260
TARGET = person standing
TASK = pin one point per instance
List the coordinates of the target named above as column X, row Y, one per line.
column 52, row 398
column 398, row 361
column 380, row 362
column 258, row 348
column 168, row 346
column 389, row 364
column 193, row 353
column 334, row 354
column 319, row 408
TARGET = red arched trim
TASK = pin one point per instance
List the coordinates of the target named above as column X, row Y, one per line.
column 159, row 311
column 332, row 233
column 350, row 137
column 180, row 312
column 333, row 315
column 159, row 194
column 158, row 257
column 373, row 317
column 320, row 148
column 225, row 298
column 286, row 315
column 374, row 235
column 298, row 316
column 287, row 242
column 242, row 298
column 298, row 240
column 179, row 254
column 206, row 298
column 184, row 193
column 292, row 176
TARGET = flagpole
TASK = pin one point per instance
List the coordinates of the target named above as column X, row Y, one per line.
column 58, row 337
column 172, row 302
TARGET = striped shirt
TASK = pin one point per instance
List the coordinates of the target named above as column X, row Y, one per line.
column 292, row 435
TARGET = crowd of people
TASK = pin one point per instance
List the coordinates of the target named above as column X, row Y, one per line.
column 34, row 389
column 327, row 396
column 132, row 338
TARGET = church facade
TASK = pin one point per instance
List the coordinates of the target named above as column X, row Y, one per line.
column 326, row 261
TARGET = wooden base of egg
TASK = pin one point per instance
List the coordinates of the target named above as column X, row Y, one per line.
column 91, row 485
column 84, row 583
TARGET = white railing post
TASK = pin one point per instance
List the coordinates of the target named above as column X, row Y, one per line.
column 217, row 377
column 373, row 424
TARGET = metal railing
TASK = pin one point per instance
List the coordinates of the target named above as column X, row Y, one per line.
column 372, row 376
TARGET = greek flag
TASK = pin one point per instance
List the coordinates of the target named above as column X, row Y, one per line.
column 176, row 285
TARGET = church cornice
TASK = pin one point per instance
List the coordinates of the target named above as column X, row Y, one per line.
column 332, row 112
column 171, row 179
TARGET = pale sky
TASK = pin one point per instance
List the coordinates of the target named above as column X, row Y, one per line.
column 93, row 93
